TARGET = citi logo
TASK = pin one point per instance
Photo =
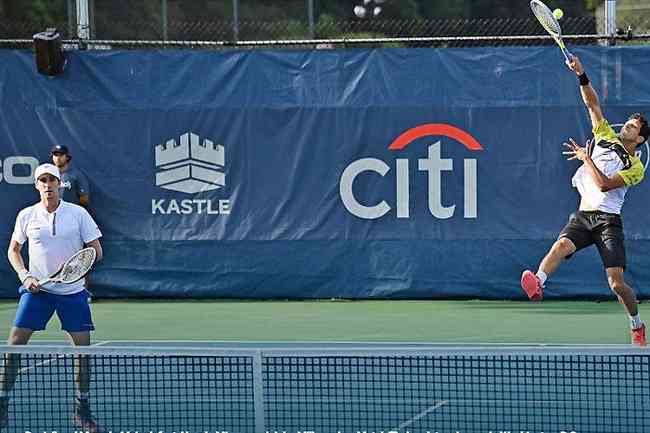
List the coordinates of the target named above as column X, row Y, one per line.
column 434, row 165
column 190, row 166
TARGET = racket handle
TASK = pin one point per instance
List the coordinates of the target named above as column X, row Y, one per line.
column 567, row 55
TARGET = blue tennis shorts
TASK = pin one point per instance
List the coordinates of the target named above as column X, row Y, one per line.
column 35, row 310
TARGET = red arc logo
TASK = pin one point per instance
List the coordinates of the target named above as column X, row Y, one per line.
column 429, row 129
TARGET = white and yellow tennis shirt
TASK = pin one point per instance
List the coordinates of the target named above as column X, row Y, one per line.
column 54, row 238
column 610, row 157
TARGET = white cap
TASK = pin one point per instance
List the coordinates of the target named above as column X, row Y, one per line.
column 47, row 168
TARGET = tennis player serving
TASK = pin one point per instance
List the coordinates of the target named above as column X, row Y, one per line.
column 55, row 230
column 609, row 167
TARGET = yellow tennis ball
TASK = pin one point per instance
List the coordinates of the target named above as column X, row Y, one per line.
column 558, row 13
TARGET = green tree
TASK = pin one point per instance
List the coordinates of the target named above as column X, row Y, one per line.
column 444, row 9
column 212, row 19
column 38, row 10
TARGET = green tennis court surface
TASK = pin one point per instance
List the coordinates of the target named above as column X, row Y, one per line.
column 561, row 322
column 361, row 366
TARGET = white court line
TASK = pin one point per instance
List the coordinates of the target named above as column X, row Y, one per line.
column 40, row 364
column 474, row 401
column 421, row 414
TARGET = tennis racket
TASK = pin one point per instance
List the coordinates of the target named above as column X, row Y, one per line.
column 74, row 269
column 550, row 24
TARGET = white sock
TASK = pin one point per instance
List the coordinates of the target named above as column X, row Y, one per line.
column 3, row 394
column 542, row 277
column 635, row 322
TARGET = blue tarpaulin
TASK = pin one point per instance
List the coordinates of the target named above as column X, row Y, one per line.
column 392, row 173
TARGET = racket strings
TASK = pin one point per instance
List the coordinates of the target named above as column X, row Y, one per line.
column 546, row 19
column 78, row 266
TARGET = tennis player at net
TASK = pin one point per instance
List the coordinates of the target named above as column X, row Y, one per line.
column 55, row 230
column 609, row 168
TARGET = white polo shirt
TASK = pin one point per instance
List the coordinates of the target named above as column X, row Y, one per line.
column 609, row 162
column 54, row 238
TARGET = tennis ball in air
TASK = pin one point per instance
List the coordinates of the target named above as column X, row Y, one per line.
column 558, row 13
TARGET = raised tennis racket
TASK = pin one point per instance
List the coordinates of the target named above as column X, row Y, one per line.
column 74, row 269
column 550, row 24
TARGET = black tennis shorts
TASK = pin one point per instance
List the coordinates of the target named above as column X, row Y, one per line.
column 603, row 229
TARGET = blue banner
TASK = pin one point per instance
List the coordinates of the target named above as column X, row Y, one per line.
column 385, row 173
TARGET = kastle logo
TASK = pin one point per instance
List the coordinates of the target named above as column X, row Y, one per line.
column 190, row 166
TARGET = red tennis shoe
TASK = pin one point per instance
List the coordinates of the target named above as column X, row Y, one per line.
column 638, row 336
column 531, row 285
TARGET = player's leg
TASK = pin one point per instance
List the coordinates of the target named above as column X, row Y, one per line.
column 9, row 371
column 628, row 298
column 573, row 237
column 32, row 314
column 82, row 367
column 609, row 239
column 533, row 284
column 76, row 319
column 624, row 292
column 83, row 416
column 561, row 249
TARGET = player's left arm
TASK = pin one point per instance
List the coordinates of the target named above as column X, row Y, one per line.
column 97, row 246
column 603, row 182
column 90, row 233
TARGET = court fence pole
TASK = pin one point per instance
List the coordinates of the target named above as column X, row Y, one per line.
column 235, row 20
column 310, row 18
column 164, row 19
column 83, row 23
column 610, row 21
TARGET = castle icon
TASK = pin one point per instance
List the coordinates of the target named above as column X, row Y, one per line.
column 190, row 166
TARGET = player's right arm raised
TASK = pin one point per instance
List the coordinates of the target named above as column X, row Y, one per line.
column 589, row 95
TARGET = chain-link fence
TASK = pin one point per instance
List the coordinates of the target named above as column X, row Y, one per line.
column 173, row 23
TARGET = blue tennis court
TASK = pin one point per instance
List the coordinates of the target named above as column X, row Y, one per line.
column 338, row 387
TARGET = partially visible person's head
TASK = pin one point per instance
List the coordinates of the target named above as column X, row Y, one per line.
column 636, row 129
column 47, row 178
column 60, row 155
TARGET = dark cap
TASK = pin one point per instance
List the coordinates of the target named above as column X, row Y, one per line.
column 60, row 148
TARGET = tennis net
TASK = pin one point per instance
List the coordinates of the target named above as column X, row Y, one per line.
column 337, row 388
